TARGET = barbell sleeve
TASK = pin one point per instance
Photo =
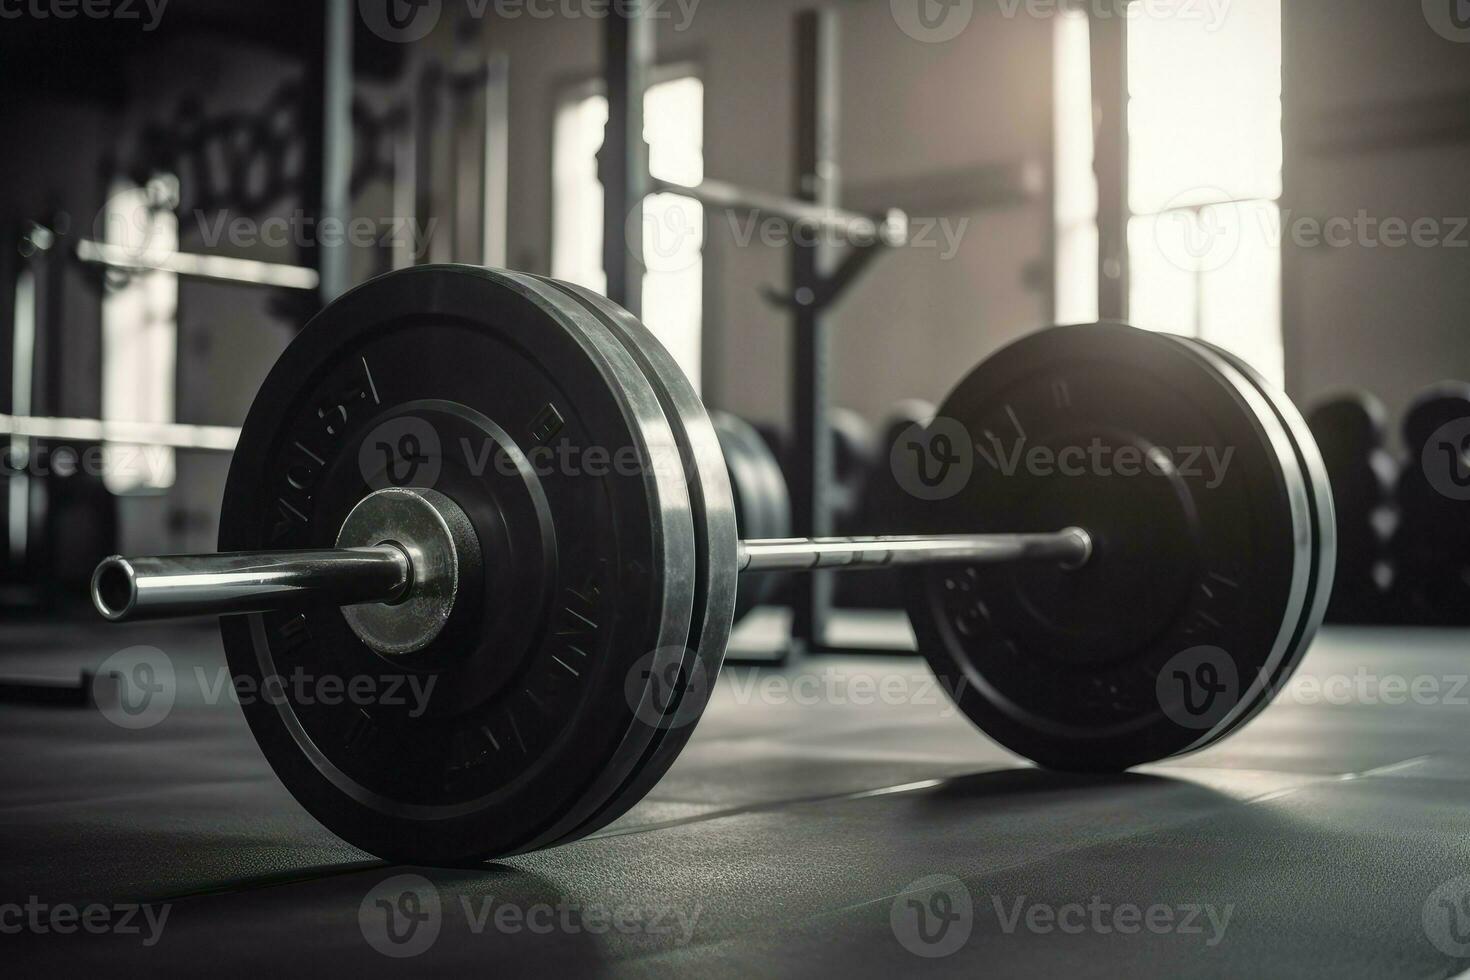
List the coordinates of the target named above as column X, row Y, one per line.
column 237, row 582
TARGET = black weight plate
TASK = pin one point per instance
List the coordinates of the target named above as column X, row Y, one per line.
column 1349, row 425
column 649, row 684
column 1201, row 559
column 1362, row 486
column 881, row 498
column 684, row 690
column 1422, row 501
column 777, row 439
column 762, row 502
column 470, row 382
column 1433, row 407
column 678, row 401
column 1324, row 544
column 854, row 454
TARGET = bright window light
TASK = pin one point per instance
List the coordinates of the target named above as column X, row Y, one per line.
column 140, row 332
column 1204, row 131
column 673, row 225
column 1076, row 183
column 576, row 210
column 23, row 366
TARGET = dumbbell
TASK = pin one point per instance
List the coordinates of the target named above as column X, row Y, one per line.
column 502, row 486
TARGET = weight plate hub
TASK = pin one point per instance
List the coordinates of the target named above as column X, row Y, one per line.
column 1201, row 584
column 516, row 726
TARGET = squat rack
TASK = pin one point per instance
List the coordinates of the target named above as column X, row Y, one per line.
column 819, row 276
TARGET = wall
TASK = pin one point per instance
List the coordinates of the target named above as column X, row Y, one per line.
column 1391, row 320
column 915, row 322
column 911, row 326
column 228, row 335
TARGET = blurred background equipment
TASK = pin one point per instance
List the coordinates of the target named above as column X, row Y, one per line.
column 879, row 498
column 762, row 503
column 1351, row 430
column 1431, row 545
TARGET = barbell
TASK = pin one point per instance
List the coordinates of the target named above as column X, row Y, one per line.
column 1116, row 545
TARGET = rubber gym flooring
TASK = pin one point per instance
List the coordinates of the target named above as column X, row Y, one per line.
column 798, row 834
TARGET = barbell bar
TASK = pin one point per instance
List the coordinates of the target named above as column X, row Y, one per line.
column 209, row 585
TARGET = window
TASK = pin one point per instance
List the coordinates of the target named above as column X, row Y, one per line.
column 673, row 225
column 1204, row 175
column 140, row 333
column 1204, row 129
column 1076, row 184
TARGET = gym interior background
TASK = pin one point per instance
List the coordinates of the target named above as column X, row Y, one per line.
column 828, row 214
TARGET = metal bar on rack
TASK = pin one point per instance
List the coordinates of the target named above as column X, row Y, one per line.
column 176, row 435
column 848, row 227
column 216, row 268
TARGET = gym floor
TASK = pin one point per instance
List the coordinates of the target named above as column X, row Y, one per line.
column 795, row 834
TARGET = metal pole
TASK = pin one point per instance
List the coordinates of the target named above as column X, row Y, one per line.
column 889, row 228
column 817, row 182
column 622, row 163
column 190, row 585
column 1070, row 548
column 1109, row 46
column 237, row 582
column 334, row 260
